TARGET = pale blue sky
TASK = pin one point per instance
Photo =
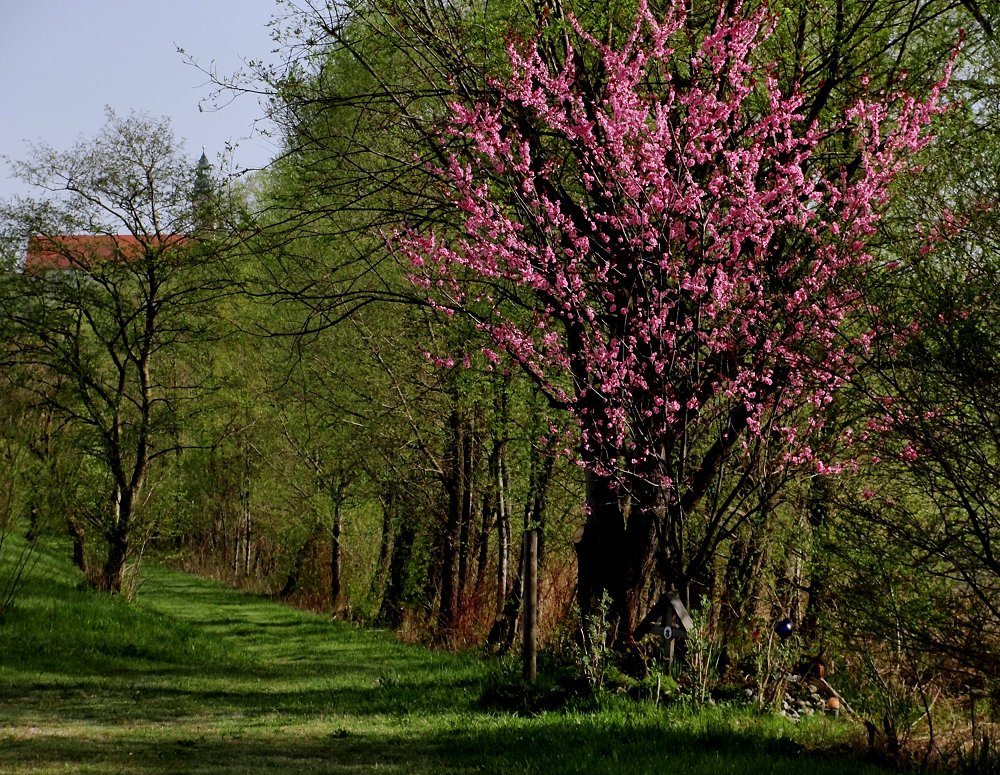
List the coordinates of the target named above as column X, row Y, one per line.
column 62, row 61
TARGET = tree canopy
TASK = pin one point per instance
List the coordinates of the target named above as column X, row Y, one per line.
column 669, row 246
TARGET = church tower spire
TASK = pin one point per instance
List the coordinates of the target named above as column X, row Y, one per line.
column 202, row 196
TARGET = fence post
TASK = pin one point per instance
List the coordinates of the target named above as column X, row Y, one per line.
column 530, row 576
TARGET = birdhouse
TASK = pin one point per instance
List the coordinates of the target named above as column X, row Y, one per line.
column 675, row 622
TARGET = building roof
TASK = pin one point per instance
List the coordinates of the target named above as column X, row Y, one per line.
column 81, row 251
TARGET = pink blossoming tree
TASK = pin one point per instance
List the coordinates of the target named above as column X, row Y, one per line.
column 661, row 238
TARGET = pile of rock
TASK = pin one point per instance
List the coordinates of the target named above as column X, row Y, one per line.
column 806, row 698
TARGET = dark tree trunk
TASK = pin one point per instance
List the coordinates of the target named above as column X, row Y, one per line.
column 113, row 573
column 381, row 577
column 465, row 525
column 503, row 633
column 391, row 611
column 79, row 544
column 113, row 576
column 534, row 507
column 451, row 559
column 600, row 550
column 638, row 569
column 336, row 592
column 244, row 541
column 616, row 557
column 503, row 547
column 817, row 515
column 487, row 518
column 743, row 583
column 291, row 585
column 117, row 536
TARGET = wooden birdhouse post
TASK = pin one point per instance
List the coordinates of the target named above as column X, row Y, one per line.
column 675, row 624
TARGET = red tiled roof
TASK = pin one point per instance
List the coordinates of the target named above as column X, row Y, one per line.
column 80, row 251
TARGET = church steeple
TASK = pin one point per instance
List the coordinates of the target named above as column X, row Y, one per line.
column 202, row 195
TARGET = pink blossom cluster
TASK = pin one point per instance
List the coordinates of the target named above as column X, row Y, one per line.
column 677, row 254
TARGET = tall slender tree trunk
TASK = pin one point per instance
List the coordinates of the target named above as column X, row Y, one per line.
column 534, row 507
column 817, row 516
column 451, row 559
column 503, row 535
column 246, row 517
column 743, row 579
column 487, row 518
column 294, row 577
column 391, row 611
column 380, row 578
column 465, row 526
column 78, row 537
column 504, row 630
column 336, row 589
column 503, row 633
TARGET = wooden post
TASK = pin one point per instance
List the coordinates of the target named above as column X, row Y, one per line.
column 530, row 576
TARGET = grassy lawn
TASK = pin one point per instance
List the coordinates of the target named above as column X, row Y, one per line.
column 196, row 678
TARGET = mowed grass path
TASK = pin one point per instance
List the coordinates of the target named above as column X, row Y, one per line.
column 196, row 678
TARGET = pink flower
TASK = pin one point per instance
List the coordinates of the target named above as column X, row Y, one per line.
column 643, row 233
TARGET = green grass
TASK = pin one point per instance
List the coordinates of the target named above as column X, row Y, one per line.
column 197, row 678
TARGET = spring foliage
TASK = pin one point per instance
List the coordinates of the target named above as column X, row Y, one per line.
column 680, row 240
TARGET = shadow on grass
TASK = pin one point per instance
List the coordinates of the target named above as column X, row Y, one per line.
column 190, row 647
column 551, row 745
column 235, row 754
column 150, row 697
column 568, row 744
column 197, row 678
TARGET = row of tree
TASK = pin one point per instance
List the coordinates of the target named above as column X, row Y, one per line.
column 660, row 280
